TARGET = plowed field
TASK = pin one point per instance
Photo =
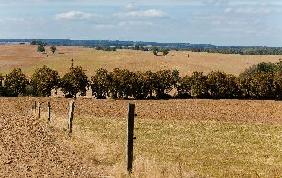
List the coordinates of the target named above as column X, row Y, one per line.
column 175, row 138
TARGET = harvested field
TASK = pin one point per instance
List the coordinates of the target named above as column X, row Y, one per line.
column 91, row 59
column 175, row 138
column 29, row 148
column 18, row 56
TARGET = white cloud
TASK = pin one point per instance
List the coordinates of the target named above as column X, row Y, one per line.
column 149, row 13
column 130, row 7
column 134, row 23
column 75, row 15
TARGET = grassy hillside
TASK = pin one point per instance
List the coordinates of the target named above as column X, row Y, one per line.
column 90, row 59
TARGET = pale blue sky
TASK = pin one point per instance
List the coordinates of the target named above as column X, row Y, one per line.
column 219, row 22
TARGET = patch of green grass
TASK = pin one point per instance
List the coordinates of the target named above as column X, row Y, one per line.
column 209, row 148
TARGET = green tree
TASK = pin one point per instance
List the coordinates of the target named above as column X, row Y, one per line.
column 262, row 86
column 100, row 84
column 53, row 49
column 40, row 48
column 121, row 83
column 199, row 85
column 184, row 87
column 222, row 85
column 166, row 81
column 155, row 51
column 150, row 80
column 278, row 85
column 16, row 82
column 44, row 80
column 74, row 81
column 141, row 88
column 165, row 51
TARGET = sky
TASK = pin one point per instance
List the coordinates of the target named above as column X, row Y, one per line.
column 218, row 22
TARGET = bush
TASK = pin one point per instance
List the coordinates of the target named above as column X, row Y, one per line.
column 184, row 87
column 40, row 48
column 100, row 84
column 15, row 83
column 53, row 49
column 44, row 80
column 277, row 84
column 121, row 83
column 165, row 81
column 262, row 68
column 141, row 87
column 165, row 51
column 74, row 81
column 199, row 85
column 222, row 85
column 262, row 86
column 150, row 80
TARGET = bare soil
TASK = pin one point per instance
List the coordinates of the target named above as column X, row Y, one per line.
column 29, row 148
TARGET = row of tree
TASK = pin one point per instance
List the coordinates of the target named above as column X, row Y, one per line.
column 241, row 50
column 263, row 81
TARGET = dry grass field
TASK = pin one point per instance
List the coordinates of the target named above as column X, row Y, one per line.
column 176, row 138
column 90, row 59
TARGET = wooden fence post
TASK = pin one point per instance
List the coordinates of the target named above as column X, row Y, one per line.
column 49, row 111
column 70, row 116
column 33, row 107
column 130, row 136
column 39, row 108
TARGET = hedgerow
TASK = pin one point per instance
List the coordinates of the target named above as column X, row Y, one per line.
column 262, row 81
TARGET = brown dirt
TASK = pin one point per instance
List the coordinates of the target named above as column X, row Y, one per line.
column 29, row 148
column 251, row 111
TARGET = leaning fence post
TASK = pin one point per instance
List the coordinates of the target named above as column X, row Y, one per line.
column 130, row 136
column 70, row 116
column 49, row 111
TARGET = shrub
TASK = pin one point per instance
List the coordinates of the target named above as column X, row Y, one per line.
column 141, row 87
column 40, row 48
column 44, row 80
column 155, row 51
column 53, row 49
column 165, row 80
column 262, row 86
column 165, row 51
column 199, row 85
column 277, row 84
column 222, row 85
column 184, row 87
column 261, row 68
column 150, row 80
column 16, row 83
column 100, row 84
column 121, row 83
column 74, row 81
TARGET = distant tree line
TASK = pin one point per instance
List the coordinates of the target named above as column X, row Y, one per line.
column 241, row 50
column 262, row 81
